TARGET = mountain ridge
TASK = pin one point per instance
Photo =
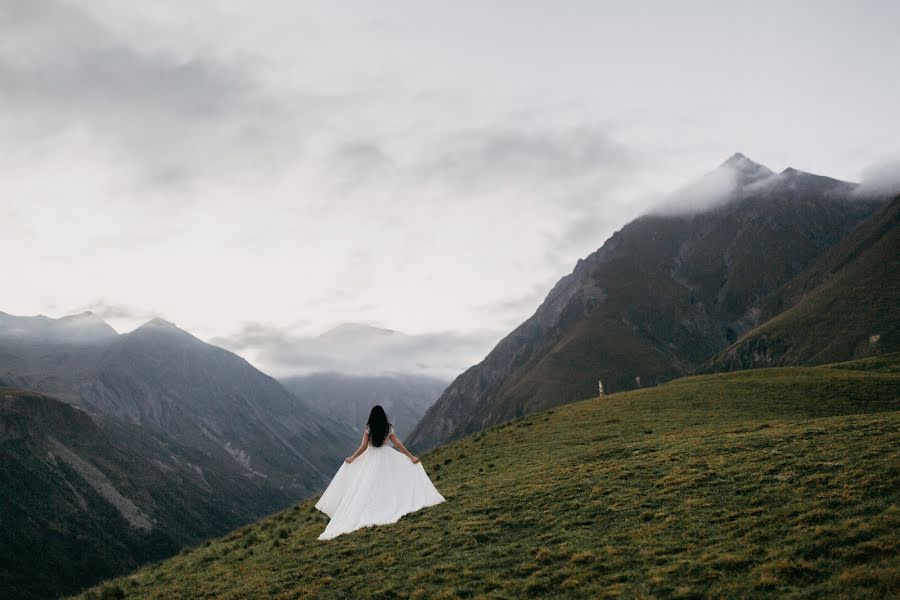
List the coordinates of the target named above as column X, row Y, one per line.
column 657, row 299
column 238, row 444
column 81, row 327
column 111, row 496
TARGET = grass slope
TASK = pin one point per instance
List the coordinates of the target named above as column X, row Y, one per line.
column 843, row 307
column 767, row 483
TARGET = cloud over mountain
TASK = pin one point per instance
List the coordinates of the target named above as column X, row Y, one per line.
column 359, row 349
column 881, row 178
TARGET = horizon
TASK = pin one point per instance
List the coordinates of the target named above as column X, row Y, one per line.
column 404, row 363
column 259, row 186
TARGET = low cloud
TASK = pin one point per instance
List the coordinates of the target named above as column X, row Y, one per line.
column 359, row 350
column 109, row 312
column 882, row 178
column 710, row 190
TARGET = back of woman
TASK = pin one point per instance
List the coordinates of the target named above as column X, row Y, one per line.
column 377, row 484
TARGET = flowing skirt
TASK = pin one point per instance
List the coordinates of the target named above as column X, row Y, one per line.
column 377, row 488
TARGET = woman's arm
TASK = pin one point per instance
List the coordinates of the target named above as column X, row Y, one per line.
column 362, row 447
column 399, row 445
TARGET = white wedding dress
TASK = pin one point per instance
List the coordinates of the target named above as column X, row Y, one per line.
column 377, row 488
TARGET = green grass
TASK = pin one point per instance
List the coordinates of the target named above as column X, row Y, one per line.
column 768, row 483
column 843, row 307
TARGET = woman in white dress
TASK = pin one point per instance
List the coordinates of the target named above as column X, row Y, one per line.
column 377, row 484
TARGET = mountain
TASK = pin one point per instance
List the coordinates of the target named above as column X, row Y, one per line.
column 197, row 423
column 164, row 379
column 355, row 349
column 739, row 485
column 659, row 298
column 844, row 306
column 85, row 327
column 356, row 333
column 349, row 398
column 84, row 497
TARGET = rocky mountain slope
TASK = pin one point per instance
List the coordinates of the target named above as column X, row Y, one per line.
column 201, row 396
column 192, row 436
column 844, row 306
column 659, row 298
column 349, row 398
column 82, row 497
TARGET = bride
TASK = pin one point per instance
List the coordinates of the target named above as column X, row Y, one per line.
column 377, row 484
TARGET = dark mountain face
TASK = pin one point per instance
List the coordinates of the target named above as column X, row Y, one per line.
column 660, row 297
column 200, row 439
column 844, row 306
column 201, row 396
column 83, row 498
column 349, row 398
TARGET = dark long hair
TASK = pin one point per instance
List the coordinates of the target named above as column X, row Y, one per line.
column 378, row 425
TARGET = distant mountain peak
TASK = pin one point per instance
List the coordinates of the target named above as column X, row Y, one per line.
column 746, row 170
column 357, row 330
column 737, row 157
column 160, row 322
column 792, row 177
column 81, row 327
column 159, row 325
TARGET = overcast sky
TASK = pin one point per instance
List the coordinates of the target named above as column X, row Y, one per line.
column 261, row 172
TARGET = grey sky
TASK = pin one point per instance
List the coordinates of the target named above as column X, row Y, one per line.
column 421, row 166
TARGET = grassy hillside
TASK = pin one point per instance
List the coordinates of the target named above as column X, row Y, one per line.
column 765, row 483
column 843, row 307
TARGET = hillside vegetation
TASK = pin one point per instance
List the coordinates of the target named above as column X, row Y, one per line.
column 843, row 307
column 771, row 483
